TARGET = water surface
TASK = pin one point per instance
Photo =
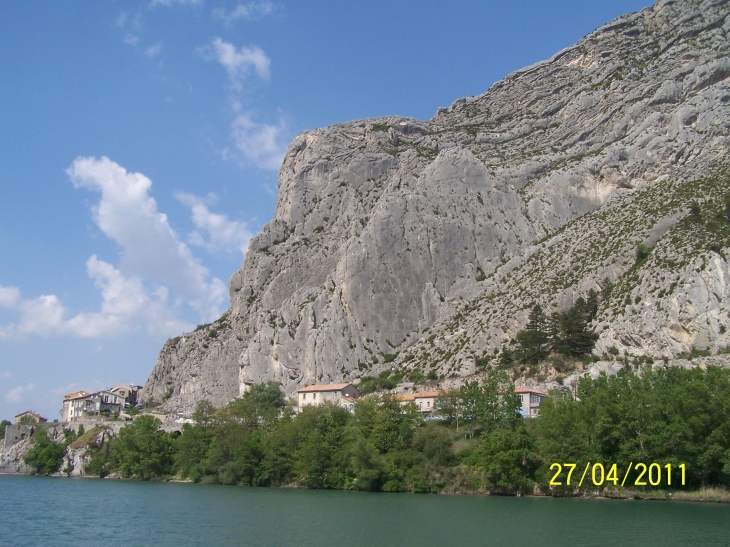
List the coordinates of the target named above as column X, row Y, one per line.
column 57, row 511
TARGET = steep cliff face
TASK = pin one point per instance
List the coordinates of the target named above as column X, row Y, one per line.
column 423, row 244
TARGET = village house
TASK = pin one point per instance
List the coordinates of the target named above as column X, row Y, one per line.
column 130, row 393
column 75, row 405
column 343, row 395
column 425, row 401
column 29, row 417
column 80, row 405
column 531, row 401
column 107, row 402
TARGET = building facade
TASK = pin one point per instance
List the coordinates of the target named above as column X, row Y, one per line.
column 29, row 417
column 531, row 401
column 425, row 401
column 130, row 393
column 81, row 405
column 341, row 394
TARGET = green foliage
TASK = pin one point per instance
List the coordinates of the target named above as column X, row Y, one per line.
column 3, row 424
column 417, row 377
column 534, row 341
column 667, row 415
column 380, row 127
column 642, row 253
column 45, row 456
column 694, row 210
column 569, row 332
column 140, row 451
column 507, row 459
column 370, row 384
column 488, row 405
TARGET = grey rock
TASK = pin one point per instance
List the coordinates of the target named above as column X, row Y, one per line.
column 426, row 243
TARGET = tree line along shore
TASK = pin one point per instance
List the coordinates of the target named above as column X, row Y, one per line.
column 676, row 418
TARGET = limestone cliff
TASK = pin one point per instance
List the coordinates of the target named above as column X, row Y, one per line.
column 423, row 244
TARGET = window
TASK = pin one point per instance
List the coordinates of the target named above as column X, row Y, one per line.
column 535, row 398
column 522, row 400
column 428, row 404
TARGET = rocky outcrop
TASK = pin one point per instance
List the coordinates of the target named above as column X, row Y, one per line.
column 421, row 245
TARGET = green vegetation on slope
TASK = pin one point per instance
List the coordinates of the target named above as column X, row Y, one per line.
column 666, row 416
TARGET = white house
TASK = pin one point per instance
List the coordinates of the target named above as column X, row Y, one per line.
column 531, row 400
column 76, row 405
column 341, row 394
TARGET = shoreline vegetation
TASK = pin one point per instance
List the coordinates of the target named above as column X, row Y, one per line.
column 676, row 418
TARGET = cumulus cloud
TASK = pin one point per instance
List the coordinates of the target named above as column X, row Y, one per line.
column 157, row 272
column 125, row 305
column 5, row 376
column 150, row 248
column 237, row 62
column 252, row 10
column 214, row 231
column 259, row 144
column 15, row 395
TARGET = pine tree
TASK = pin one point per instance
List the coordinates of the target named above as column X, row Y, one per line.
column 569, row 331
column 534, row 340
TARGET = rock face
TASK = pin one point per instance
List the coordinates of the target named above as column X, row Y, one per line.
column 422, row 245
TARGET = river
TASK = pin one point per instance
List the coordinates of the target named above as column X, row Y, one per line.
column 78, row 512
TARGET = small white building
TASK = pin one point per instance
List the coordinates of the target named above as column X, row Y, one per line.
column 531, row 400
column 341, row 394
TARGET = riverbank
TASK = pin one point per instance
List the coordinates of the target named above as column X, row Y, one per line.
column 708, row 494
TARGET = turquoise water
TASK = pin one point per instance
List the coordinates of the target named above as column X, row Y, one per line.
column 39, row 511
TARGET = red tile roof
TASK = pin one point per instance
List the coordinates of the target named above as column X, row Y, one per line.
column 76, row 395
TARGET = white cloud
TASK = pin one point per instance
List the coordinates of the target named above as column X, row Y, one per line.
column 15, row 395
column 5, row 376
column 260, row 144
column 252, row 10
column 237, row 62
column 157, row 272
column 125, row 305
column 223, row 235
column 131, row 40
column 153, row 51
column 150, row 248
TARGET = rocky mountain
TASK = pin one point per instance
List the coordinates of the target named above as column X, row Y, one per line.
column 422, row 245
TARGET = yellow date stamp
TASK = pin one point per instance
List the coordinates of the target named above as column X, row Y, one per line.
column 598, row 474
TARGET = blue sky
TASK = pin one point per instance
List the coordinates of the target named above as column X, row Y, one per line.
column 140, row 144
